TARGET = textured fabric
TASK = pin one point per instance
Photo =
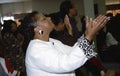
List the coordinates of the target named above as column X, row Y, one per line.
column 53, row 58
column 75, row 30
column 13, row 51
column 87, row 48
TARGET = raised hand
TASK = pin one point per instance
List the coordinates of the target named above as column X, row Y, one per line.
column 94, row 25
column 68, row 25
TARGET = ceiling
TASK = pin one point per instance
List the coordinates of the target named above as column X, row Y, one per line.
column 108, row 2
column 11, row 1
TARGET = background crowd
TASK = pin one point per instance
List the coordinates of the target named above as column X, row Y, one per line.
column 12, row 44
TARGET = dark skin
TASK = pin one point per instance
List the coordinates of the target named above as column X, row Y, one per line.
column 45, row 24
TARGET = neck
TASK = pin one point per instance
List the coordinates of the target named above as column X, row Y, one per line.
column 42, row 37
column 57, row 29
column 71, row 15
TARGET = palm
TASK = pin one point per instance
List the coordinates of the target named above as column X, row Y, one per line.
column 93, row 26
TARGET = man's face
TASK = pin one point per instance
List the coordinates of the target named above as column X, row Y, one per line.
column 73, row 10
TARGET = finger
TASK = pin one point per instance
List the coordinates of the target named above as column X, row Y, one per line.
column 66, row 16
column 87, row 21
column 66, row 19
column 98, row 23
column 100, row 20
column 91, row 23
column 96, row 19
column 105, row 21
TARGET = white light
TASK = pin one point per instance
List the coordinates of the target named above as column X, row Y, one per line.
column 7, row 18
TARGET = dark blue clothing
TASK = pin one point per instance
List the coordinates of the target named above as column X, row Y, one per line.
column 75, row 30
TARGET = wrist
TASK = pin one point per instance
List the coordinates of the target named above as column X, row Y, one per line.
column 89, row 37
column 87, row 47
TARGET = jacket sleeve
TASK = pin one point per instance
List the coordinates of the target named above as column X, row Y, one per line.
column 52, row 60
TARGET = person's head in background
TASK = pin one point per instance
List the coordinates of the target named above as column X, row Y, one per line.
column 18, row 22
column 58, row 21
column 69, row 8
column 109, row 15
column 9, row 26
